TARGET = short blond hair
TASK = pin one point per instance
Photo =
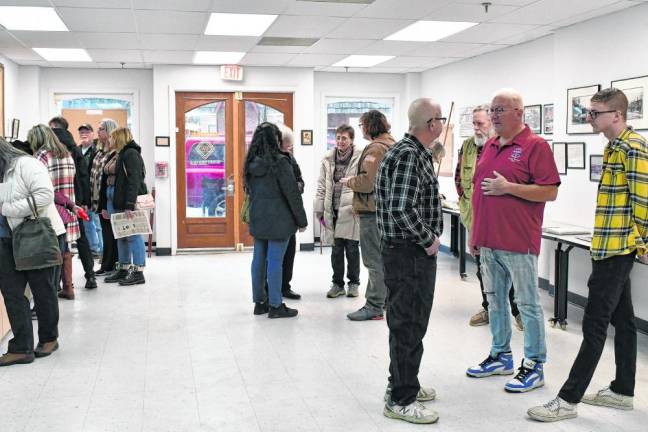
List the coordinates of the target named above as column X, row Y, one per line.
column 121, row 137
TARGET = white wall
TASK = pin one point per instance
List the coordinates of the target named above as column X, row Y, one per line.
column 11, row 93
column 596, row 51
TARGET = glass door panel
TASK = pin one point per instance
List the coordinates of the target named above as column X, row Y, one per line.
column 257, row 113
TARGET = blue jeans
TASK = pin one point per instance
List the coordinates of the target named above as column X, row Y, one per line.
column 131, row 248
column 110, row 194
column 501, row 269
column 93, row 232
column 268, row 254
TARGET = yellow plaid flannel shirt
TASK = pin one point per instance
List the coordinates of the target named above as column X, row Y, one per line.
column 621, row 219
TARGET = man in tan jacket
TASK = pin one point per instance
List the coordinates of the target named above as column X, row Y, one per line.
column 375, row 128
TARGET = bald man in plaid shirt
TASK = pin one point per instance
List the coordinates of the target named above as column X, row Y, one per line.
column 620, row 234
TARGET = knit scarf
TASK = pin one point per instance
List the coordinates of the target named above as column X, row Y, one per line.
column 341, row 164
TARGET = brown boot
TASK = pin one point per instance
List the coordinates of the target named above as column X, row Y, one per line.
column 45, row 349
column 14, row 358
column 66, row 274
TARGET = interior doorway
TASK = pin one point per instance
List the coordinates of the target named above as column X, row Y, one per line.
column 214, row 131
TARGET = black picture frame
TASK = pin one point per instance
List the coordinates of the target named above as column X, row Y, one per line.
column 162, row 141
column 576, row 155
column 547, row 119
column 560, row 156
column 636, row 90
column 596, row 167
column 15, row 128
column 533, row 118
column 578, row 102
column 307, row 137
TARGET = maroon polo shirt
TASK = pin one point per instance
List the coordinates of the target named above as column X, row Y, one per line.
column 506, row 222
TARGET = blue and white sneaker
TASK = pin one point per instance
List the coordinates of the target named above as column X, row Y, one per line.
column 500, row 365
column 530, row 375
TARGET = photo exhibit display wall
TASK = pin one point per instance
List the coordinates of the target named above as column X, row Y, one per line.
column 636, row 90
column 547, row 119
column 560, row 156
column 578, row 105
column 576, row 155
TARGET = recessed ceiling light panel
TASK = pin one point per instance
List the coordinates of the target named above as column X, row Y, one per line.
column 31, row 18
column 218, row 57
column 362, row 61
column 64, row 54
column 231, row 24
column 430, row 31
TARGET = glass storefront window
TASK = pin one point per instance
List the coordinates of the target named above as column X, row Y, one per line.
column 348, row 110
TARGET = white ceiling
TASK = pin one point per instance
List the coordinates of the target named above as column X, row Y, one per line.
column 141, row 33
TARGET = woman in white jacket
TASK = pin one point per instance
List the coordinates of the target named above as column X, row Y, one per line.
column 21, row 176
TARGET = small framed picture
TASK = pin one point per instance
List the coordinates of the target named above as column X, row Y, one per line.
column 547, row 119
column 636, row 90
column 162, row 141
column 533, row 118
column 560, row 156
column 596, row 167
column 306, row 137
column 576, row 155
column 15, row 128
column 578, row 105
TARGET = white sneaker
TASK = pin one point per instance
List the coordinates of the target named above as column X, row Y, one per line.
column 608, row 398
column 415, row 412
column 554, row 410
column 424, row 394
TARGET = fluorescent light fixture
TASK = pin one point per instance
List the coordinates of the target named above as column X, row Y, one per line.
column 430, row 31
column 231, row 24
column 31, row 18
column 362, row 61
column 64, row 54
column 218, row 57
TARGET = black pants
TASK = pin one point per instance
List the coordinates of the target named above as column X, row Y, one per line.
column 350, row 247
column 514, row 309
column 410, row 276
column 609, row 301
column 56, row 275
column 287, row 266
column 109, row 257
column 85, row 254
column 12, row 286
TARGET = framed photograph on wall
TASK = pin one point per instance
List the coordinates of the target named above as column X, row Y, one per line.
column 465, row 122
column 636, row 90
column 547, row 119
column 576, row 155
column 306, row 137
column 162, row 141
column 15, row 128
column 533, row 117
column 596, row 167
column 578, row 105
column 560, row 156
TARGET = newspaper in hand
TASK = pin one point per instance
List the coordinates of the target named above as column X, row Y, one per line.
column 138, row 224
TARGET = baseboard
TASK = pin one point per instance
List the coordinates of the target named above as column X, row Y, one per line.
column 162, row 251
column 579, row 300
column 306, row 247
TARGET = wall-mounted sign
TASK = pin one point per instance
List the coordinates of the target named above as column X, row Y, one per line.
column 232, row 72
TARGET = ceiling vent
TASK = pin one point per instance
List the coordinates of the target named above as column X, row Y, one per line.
column 287, row 41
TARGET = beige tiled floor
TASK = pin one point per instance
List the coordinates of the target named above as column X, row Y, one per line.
column 185, row 353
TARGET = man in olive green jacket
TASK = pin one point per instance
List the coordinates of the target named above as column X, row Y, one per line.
column 468, row 157
column 375, row 128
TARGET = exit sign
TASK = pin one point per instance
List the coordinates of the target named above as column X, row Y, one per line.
column 232, row 72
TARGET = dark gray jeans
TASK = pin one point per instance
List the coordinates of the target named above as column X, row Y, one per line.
column 372, row 260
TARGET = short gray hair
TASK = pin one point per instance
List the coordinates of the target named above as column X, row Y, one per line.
column 481, row 107
column 510, row 94
column 109, row 125
column 286, row 132
column 416, row 113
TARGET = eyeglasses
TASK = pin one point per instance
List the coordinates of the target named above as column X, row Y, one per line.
column 500, row 110
column 594, row 114
column 441, row 119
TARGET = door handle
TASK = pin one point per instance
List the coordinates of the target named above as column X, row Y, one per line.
column 230, row 188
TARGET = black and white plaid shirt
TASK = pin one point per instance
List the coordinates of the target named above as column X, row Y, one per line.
column 408, row 205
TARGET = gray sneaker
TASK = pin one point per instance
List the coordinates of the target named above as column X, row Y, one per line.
column 415, row 412
column 424, row 394
column 353, row 290
column 608, row 398
column 365, row 314
column 554, row 410
column 335, row 291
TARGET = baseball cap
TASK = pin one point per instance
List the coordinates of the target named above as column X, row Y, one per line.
column 85, row 126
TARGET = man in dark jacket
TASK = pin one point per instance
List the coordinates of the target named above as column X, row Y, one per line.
column 59, row 126
column 88, row 147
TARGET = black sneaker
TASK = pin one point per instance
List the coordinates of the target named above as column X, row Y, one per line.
column 260, row 308
column 134, row 277
column 117, row 276
column 290, row 294
column 91, row 283
column 282, row 311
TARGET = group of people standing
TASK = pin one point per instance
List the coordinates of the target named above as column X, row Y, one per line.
column 71, row 186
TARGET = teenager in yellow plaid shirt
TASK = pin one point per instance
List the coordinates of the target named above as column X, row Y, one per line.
column 620, row 234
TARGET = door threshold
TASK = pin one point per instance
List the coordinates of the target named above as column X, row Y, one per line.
column 208, row 251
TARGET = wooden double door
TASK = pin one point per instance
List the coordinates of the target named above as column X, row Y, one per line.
column 213, row 133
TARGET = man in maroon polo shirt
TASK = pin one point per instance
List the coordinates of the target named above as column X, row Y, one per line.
column 515, row 176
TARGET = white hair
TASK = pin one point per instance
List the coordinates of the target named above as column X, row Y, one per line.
column 419, row 112
column 286, row 132
column 481, row 107
column 512, row 95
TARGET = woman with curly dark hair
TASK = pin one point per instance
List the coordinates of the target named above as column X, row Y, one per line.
column 276, row 212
